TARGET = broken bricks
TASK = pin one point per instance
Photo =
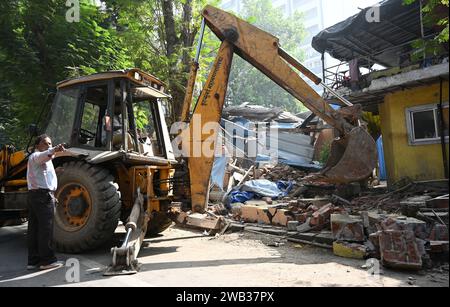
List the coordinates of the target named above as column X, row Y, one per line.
column 281, row 217
column 255, row 214
column 399, row 249
column 347, row 228
column 439, row 233
column 265, row 214
column 418, row 227
column 302, row 217
column 322, row 215
column 439, row 247
column 399, row 241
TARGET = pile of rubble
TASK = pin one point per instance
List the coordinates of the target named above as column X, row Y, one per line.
column 398, row 241
column 282, row 172
column 406, row 228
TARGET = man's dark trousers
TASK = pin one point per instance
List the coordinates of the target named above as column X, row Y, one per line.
column 41, row 206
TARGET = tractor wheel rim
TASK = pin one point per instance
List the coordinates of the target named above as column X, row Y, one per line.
column 74, row 206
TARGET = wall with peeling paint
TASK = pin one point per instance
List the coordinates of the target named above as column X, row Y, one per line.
column 418, row 162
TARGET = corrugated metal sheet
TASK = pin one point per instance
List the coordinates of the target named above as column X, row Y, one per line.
column 289, row 146
column 295, row 147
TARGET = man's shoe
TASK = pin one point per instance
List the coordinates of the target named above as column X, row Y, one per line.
column 56, row 264
column 32, row 267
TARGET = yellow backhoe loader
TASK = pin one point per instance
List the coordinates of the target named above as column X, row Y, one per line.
column 109, row 173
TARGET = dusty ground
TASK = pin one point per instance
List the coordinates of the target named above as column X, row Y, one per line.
column 186, row 258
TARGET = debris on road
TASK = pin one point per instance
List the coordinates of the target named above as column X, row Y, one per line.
column 405, row 229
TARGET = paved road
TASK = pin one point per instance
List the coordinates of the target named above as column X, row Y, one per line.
column 183, row 258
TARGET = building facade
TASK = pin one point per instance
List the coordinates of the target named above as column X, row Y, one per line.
column 411, row 129
column 409, row 94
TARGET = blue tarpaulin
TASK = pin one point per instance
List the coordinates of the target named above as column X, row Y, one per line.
column 241, row 196
column 261, row 188
column 382, row 163
column 218, row 171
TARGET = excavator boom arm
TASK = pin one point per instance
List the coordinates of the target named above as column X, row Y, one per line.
column 263, row 51
column 353, row 156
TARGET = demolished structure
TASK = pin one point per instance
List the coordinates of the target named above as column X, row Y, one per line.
column 403, row 224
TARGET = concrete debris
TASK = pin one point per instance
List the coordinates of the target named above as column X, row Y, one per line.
column 418, row 227
column 438, row 202
column 321, row 216
column 181, row 218
column 324, row 238
column 292, row 225
column 204, row 221
column 439, row 247
column 236, row 210
column 234, row 227
column 399, row 250
column 347, row 228
column 350, row 250
column 439, row 233
column 281, row 217
column 219, row 209
column 304, row 227
column 337, row 200
column 348, row 191
column 419, row 201
column 270, row 231
column 406, row 228
column 255, row 214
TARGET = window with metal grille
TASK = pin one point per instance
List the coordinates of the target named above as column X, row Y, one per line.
column 424, row 124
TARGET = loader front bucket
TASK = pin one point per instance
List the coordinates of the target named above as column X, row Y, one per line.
column 352, row 159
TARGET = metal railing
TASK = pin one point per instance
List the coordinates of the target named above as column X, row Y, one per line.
column 338, row 76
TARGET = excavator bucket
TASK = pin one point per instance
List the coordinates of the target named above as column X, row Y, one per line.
column 352, row 159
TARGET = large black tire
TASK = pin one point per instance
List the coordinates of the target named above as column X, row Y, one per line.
column 159, row 222
column 86, row 221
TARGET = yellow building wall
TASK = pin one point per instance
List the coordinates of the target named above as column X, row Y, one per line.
column 418, row 162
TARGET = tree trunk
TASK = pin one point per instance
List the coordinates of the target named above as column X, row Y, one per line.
column 169, row 26
column 173, row 43
column 187, row 35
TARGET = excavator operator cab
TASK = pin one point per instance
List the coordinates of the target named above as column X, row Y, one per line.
column 112, row 111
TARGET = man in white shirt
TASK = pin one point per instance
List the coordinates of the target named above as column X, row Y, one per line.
column 42, row 183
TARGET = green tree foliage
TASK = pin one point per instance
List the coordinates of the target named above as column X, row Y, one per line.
column 161, row 36
column 435, row 16
column 38, row 48
column 247, row 84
